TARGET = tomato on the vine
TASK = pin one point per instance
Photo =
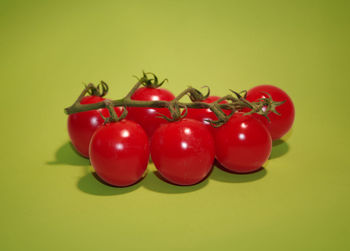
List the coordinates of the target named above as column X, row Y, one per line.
column 278, row 125
column 183, row 151
column 204, row 115
column 149, row 118
column 243, row 144
column 119, row 152
column 82, row 125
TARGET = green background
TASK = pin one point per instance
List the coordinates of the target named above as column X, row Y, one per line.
column 51, row 201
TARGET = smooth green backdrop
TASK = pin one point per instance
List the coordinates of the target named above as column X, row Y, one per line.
column 50, row 199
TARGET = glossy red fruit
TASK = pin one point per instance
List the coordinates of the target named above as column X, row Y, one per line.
column 119, row 152
column 148, row 118
column 279, row 125
column 243, row 144
column 203, row 115
column 183, row 151
column 82, row 125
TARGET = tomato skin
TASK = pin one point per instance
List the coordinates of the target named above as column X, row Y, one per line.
column 183, row 151
column 243, row 144
column 119, row 152
column 203, row 115
column 148, row 117
column 82, row 125
column 279, row 125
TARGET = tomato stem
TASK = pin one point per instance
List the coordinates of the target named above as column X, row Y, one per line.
column 175, row 106
column 113, row 115
column 196, row 95
column 100, row 90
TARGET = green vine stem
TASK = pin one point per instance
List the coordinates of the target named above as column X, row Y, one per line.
column 233, row 103
column 113, row 117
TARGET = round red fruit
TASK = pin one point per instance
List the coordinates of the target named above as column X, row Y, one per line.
column 148, row 118
column 119, row 152
column 243, row 144
column 278, row 125
column 183, row 151
column 82, row 125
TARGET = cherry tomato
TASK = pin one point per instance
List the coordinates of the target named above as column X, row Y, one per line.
column 183, row 151
column 119, row 152
column 203, row 115
column 243, row 144
column 279, row 125
column 82, row 125
column 148, row 117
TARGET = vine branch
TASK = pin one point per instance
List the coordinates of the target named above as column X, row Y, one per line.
column 233, row 104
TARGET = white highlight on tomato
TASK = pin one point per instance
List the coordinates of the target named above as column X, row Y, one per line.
column 184, row 145
column 187, row 131
column 94, row 121
column 125, row 133
column 154, row 98
column 241, row 136
column 119, row 146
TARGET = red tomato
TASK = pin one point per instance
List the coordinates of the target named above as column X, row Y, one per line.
column 203, row 115
column 148, row 117
column 119, row 152
column 243, row 144
column 82, row 125
column 183, row 151
column 279, row 125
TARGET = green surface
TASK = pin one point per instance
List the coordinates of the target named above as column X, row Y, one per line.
column 51, row 201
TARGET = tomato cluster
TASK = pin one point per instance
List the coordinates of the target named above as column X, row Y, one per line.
column 183, row 150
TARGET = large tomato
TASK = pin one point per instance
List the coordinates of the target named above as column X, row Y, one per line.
column 82, row 125
column 278, row 125
column 148, row 118
column 119, row 152
column 243, row 144
column 183, row 151
column 203, row 115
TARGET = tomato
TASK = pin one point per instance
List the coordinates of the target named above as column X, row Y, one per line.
column 148, row 118
column 119, row 152
column 82, row 125
column 203, row 115
column 243, row 144
column 183, row 151
column 279, row 125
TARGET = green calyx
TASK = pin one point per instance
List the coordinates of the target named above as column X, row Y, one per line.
column 150, row 80
column 264, row 106
column 100, row 90
column 222, row 117
column 196, row 95
column 113, row 115
column 175, row 112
